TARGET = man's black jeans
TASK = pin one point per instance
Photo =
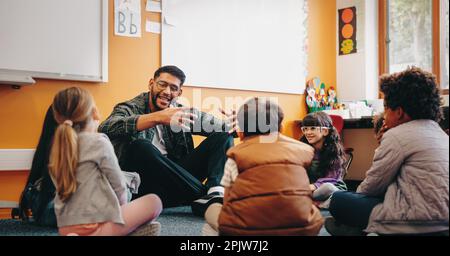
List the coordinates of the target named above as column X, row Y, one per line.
column 179, row 182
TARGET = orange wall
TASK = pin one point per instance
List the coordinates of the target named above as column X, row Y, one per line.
column 132, row 62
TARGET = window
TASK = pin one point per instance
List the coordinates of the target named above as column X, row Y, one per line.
column 444, row 44
column 413, row 33
column 410, row 34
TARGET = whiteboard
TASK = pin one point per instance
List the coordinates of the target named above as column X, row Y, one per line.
column 56, row 39
column 257, row 45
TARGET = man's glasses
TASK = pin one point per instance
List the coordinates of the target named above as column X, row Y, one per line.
column 162, row 85
column 313, row 128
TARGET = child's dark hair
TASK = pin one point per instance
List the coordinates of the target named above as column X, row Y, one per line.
column 39, row 170
column 173, row 70
column 259, row 116
column 415, row 91
column 332, row 152
column 444, row 123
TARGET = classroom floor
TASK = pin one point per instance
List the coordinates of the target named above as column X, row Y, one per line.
column 177, row 221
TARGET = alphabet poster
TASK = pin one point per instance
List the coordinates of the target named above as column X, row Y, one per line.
column 347, row 31
column 127, row 18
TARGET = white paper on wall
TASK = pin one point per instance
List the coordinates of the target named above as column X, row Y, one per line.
column 153, row 6
column 127, row 18
column 153, row 27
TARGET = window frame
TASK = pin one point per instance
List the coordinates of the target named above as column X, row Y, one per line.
column 383, row 16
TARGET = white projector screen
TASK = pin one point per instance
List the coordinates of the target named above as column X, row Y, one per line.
column 56, row 39
column 256, row 45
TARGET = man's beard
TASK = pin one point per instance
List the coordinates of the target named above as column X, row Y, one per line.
column 155, row 99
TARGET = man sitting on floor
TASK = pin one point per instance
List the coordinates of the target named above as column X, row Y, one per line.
column 152, row 135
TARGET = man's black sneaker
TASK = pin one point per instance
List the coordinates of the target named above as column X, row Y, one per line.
column 200, row 205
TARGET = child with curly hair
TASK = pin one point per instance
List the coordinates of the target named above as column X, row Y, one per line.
column 406, row 188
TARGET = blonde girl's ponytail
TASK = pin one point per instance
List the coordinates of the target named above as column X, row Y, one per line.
column 72, row 109
column 64, row 160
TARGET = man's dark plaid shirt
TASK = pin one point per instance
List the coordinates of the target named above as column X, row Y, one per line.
column 120, row 127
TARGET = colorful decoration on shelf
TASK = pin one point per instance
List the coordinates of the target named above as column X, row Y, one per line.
column 332, row 101
column 311, row 99
column 322, row 100
column 322, row 97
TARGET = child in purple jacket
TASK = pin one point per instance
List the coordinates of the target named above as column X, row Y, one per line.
column 326, row 171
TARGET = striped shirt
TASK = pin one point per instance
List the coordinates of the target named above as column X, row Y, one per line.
column 230, row 173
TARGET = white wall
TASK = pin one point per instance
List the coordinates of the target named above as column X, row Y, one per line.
column 371, row 51
column 357, row 74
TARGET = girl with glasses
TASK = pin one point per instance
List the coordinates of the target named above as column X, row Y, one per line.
column 325, row 172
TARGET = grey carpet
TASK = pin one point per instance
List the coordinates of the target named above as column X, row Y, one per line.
column 11, row 227
column 177, row 221
column 180, row 221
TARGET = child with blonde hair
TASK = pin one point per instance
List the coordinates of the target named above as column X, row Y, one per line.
column 91, row 194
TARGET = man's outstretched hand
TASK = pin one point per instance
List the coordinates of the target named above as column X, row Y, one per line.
column 230, row 119
column 179, row 117
column 182, row 117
